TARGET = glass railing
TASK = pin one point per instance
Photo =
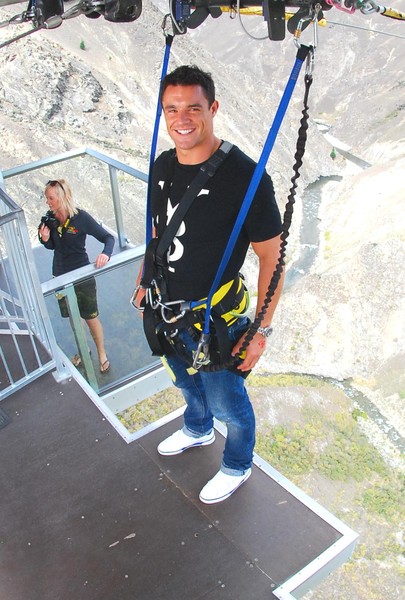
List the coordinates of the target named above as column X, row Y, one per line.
column 115, row 194
column 126, row 347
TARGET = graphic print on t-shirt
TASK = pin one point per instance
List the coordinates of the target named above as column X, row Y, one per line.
column 176, row 249
column 199, row 248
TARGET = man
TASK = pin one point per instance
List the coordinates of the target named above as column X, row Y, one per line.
column 189, row 107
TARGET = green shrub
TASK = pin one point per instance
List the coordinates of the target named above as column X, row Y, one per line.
column 386, row 500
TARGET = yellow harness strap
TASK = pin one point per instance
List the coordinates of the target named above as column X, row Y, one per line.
column 238, row 311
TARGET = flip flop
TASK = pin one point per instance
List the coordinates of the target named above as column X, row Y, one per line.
column 105, row 366
column 76, row 360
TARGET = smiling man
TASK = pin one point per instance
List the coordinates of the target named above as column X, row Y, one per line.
column 191, row 263
column 189, row 118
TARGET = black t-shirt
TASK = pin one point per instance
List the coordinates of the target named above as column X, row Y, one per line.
column 200, row 242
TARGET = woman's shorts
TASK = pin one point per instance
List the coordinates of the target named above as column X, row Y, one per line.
column 86, row 294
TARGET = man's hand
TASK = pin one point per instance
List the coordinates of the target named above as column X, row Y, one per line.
column 268, row 253
column 253, row 352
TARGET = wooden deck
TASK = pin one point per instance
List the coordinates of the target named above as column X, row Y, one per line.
column 87, row 516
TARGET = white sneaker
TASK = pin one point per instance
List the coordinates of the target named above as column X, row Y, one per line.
column 222, row 486
column 179, row 441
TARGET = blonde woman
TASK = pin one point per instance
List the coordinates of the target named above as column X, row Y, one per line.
column 64, row 230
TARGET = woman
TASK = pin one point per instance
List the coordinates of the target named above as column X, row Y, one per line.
column 64, row 230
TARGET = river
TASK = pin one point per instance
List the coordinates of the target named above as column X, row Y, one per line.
column 309, row 234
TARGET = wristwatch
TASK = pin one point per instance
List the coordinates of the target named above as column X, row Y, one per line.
column 265, row 331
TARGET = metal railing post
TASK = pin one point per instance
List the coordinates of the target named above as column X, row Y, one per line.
column 119, row 221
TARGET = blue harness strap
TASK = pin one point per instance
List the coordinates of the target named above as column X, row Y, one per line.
column 169, row 40
column 256, row 178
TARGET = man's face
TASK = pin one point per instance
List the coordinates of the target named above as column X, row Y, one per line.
column 189, row 118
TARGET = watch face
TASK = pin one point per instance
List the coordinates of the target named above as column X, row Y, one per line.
column 266, row 331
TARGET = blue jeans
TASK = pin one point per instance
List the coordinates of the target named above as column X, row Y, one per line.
column 221, row 394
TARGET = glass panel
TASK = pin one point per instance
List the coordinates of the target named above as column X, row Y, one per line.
column 115, row 194
column 124, row 339
column 63, row 331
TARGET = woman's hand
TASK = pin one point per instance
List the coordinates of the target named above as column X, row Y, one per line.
column 101, row 260
column 44, row 233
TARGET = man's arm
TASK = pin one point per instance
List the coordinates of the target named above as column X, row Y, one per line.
column 141, row 292
column 268, row 253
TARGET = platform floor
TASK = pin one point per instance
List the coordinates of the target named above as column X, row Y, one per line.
column 86, row 516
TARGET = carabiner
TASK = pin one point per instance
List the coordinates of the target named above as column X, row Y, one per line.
column 133, row 299
column 154, row 295
column 344, row 5
column 201, row 355
column 165, row 27
column 177, row 28
column 167, row 308
column 313, row 17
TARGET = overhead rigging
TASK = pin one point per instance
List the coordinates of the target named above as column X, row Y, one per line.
column 190, row 14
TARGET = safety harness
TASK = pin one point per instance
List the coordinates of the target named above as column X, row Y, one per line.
column 163, row 317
